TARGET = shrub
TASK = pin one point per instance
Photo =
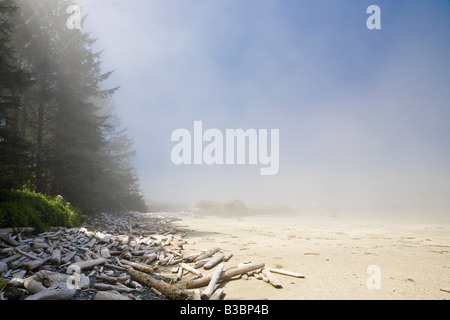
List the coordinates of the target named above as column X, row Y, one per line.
column 30, row 209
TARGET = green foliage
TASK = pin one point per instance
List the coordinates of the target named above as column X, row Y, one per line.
column 30, row 209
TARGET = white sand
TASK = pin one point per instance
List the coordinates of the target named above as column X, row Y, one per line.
column 333, row 254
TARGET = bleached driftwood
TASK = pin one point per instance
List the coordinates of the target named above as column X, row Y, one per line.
column 203, row 281
column 108, row 287
column 206, row 294
column 192, row 257
column 271, row 278
column 110, row 295
column 168, row 290
column 217, row 295
column 17, row 280
column 197, row 294
column 227, row 257
column 190, row 269
column 86, row 264
column 31, row 265
column 286, row 273
column 11, row 258
column 38, row 245
column 56, row 257
column 139, row 266
column 200, row 263
column 8, row 239
column 33, row 286
column 58, row 291
column 104, row 252
column 26, row 254
column 20, row 229
column 214, row 260
column 3, row 267
column 49, row 278
column 207, row 254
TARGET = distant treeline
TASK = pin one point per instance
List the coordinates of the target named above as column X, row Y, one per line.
column 59, row 134
column 238, row 208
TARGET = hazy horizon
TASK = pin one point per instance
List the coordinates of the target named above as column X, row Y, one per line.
column 363, row 115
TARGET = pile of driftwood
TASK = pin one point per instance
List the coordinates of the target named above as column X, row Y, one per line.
column 116, row 258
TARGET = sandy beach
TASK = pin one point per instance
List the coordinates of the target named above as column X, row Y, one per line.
column 334, row 253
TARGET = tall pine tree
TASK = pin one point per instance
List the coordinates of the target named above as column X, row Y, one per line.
column 76, row 147
column 13, row 81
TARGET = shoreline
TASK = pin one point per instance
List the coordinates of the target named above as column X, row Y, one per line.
column 333, row 253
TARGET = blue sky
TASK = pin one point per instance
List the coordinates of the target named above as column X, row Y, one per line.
column 364, row 115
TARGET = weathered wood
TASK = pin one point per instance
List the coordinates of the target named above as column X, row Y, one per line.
column 110, row 295
column 17, row 280
column 38, row 245
column 286, row 273
column 31, row 265
column 58, row 291
column 206, row 294
column 207, row 254
column 168, row 290
column 108, row 287
column 272, row 279
column 200, row 263
column 139, row 266
column 7, row 238
column 214, row 260
column 192, row 257
column 179, row 274
column 197, row 294
column 3, row 267
column 28, row 255
column 49, row 278
column 11, row 258
column 217, row 295
column 203, row 281
column 190, row 269
column 104, row 252
column 56, row 257
column 86, row 264
column 33, row 286
column 13, row 230
column 227, row 257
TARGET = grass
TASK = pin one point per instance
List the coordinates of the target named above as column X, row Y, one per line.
column 30, row 209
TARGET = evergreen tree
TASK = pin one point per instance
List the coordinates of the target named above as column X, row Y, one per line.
column 76, row 147
column 13, row 80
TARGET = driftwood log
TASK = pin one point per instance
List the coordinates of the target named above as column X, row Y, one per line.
column 217, row 295
column 108, row 287
column 212, row 283
column 49, row 278
column 86, row 264
column 190, row 269
column 286, row 273
column 214, row 260
column 203, row 281
column 169, row 291
column 207, row 254
column 110, row 295
column 33, row 286
column 271, row 278
column 58, row 291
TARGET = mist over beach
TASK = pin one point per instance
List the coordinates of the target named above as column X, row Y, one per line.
column 309, row 136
